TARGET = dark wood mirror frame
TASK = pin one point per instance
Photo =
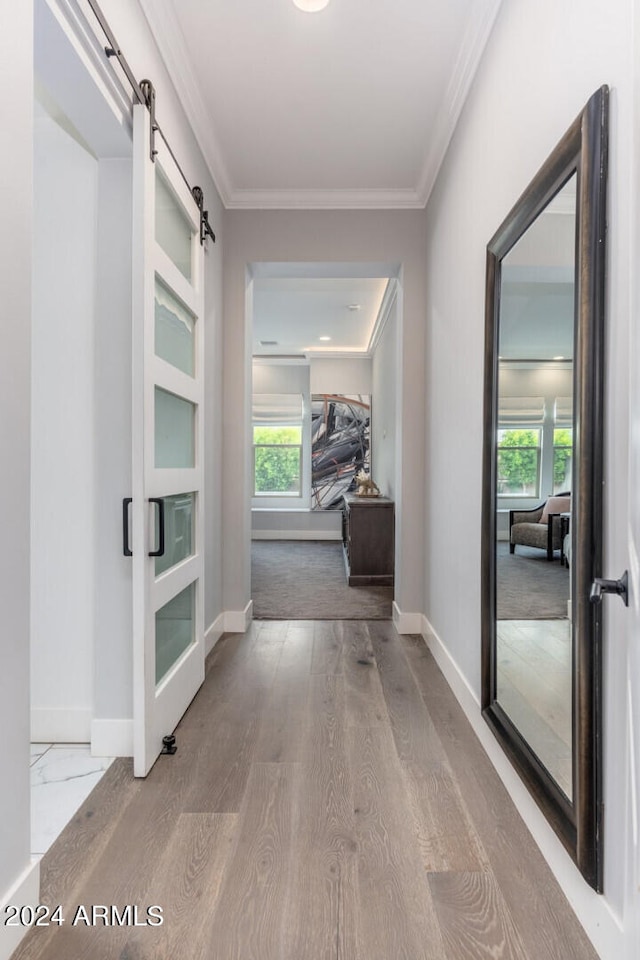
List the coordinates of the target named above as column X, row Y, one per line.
column 583, row 151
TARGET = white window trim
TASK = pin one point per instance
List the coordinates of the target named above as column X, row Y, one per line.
column 295, row 502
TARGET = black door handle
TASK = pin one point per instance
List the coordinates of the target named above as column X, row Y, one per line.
column 159, row 551
column 600, row 586
column 126, row 549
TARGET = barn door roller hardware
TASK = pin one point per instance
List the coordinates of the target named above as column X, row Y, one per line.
column 144, row 92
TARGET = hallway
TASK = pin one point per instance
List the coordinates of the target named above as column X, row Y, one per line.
column 328, row 800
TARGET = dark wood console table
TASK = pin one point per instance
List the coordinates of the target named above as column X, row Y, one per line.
column 368, row 537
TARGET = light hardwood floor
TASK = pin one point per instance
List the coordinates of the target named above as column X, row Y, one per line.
column 328, row 801
column 534, row 659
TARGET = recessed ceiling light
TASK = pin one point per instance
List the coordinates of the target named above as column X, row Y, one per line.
column 311, row 6
column 324, row 338
column 558, row 358
column 354, row 306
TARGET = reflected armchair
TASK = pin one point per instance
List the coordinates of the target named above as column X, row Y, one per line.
column 536, row 527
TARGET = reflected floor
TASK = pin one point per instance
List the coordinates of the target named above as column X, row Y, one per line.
column 534, row 688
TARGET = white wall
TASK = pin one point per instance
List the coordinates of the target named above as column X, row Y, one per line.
column 18, row 883
column 541, row 64
column 394, row 240
column 62, row 479
column 78, row 92
column 629, row 655
column 384, row 407
column 113, row 655
column 273, row 377
column 340, row 375
column 295, row 524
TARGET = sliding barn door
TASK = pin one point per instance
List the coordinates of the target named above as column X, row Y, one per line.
column 166, row 508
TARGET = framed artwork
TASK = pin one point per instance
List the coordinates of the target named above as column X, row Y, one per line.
column 340, row 446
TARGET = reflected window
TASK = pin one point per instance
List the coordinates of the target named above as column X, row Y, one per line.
column 519, row 462
column 562, row 458
column 563, row 443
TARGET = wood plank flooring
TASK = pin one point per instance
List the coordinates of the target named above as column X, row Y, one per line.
column 534, row 659
column 328, row 801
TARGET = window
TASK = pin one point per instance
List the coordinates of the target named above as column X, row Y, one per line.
column 519, row 462
column 562, row 450
column 562, row 444
column 520, row 422
column 277, row 445
column 277, row 461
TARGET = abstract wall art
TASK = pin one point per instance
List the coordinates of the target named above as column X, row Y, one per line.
column 340, row 446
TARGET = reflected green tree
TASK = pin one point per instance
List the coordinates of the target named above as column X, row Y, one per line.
column 518, row 462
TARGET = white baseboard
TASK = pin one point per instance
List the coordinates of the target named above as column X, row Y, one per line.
column 25, row 892
column 452, row 673
column 60, row 725
column 112, row 738
column 406, row 622
column 592, row 910
column 296, row 535
column 213, row 634
column 237, row 621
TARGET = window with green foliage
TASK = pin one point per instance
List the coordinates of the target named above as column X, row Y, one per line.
column 277, row 460
column 562, row 456
column 519, row 462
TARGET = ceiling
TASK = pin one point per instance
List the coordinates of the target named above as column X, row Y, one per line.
column 537, row 300
column 290, row 315
column 351, row 107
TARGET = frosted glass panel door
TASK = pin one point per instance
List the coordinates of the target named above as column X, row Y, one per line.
column 174, row 429
column 179, row 541
column 167, row 447
column 174, row 330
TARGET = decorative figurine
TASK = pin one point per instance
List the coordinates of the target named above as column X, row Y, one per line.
column 366, row 486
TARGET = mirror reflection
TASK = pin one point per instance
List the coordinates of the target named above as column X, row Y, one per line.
column 534, row 480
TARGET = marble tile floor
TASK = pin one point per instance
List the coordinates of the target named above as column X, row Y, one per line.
column 62, row 777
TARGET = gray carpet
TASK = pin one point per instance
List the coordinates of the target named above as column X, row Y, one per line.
column 529, row 587
column 306, row 580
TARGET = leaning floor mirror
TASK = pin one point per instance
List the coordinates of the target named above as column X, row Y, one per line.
column 542, row 484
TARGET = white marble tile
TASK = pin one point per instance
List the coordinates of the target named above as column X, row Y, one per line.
column 61, row 780
column 38, row 750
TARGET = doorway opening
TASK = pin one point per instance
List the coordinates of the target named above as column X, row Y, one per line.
column 324, row 340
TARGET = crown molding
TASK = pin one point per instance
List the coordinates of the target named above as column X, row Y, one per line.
column 324, row 200
column 170, row 41
column 169, row 38
column 281, row 359
column 339, row 355
column 388, row 300
column 469, row 56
